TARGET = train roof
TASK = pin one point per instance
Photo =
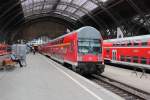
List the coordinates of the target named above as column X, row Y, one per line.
column 143, row 38
column 91, row 32
column 88, row 29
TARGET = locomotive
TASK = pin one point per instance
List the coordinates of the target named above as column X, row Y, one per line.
column 130, row 51
column 82, row 49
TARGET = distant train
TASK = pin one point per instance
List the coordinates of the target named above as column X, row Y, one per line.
column 82, row 49
column 3, row 49
column 133, row 51
column 4, row 52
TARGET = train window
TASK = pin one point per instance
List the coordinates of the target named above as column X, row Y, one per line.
column 128, row 59
column 129, row 44
column 122, row 44
column 107, row 50
column 136, row 44
column 143, row 60
column 144, row 43
column 135, row 59
column 9, row 49
column 118, row 44
column 114, row 44
column 122, row 58
column 89, row 46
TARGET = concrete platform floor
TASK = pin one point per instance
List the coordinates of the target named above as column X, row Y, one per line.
column 44, row 79
column 128, row 77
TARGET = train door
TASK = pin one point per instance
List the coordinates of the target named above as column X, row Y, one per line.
column 114, row 54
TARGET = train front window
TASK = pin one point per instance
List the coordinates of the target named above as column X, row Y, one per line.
column 89, row 46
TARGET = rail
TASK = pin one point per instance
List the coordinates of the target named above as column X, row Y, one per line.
column 121, row 89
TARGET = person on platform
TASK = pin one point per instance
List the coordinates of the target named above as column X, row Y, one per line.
column 15, row 59
column 33, row 50
column 19, row 52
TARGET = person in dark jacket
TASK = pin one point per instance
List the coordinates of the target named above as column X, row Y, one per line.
column 13, row 58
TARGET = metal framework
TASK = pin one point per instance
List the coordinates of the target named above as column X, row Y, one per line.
column 105, row 15
column 70, row 9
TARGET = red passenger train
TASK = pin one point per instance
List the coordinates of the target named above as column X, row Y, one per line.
column 133, row 51
column 81, row 48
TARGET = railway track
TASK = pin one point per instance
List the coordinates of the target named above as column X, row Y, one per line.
column 121, row 89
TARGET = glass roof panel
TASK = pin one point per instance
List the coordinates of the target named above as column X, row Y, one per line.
column 80, row 13
column 67, row 8
column 66, row 1
column 70, row 9
column 79, row 2
column 37, row 8
column 61, row 7
column 90, row 6
column 103, row 0
column 27, row 2
column 48, row 6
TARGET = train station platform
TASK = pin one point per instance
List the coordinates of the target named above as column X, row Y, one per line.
column 128, row 77
column 44, row 79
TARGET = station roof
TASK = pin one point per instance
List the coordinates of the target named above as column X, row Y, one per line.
column 101, row 14
column 69, row 10
column 72, row 9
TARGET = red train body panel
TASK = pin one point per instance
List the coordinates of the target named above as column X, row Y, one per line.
column 81, row 49
column 3, row 52
column 3, row 49
column 133, row 51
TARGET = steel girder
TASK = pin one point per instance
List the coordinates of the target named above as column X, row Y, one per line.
column 77, row 7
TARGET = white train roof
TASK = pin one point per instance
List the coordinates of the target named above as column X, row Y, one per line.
column 135, row 38
column 89, row 30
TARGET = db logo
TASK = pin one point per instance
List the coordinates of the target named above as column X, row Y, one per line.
column 90, row 58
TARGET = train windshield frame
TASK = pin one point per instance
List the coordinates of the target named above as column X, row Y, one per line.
column 89, row 46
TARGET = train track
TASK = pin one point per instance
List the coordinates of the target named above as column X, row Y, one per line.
column 121, row 89
column 125, row 91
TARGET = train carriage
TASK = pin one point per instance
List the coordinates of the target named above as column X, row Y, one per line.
column 132, row 51
column 82, row 49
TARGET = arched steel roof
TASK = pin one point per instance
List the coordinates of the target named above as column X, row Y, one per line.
column 67, row 9
column 105, row 15
column 73, row 9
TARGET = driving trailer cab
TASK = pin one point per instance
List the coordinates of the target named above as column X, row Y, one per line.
column 89, row 50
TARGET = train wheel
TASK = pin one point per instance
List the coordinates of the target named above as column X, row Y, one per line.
column 98, row 72
column 77, row 69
